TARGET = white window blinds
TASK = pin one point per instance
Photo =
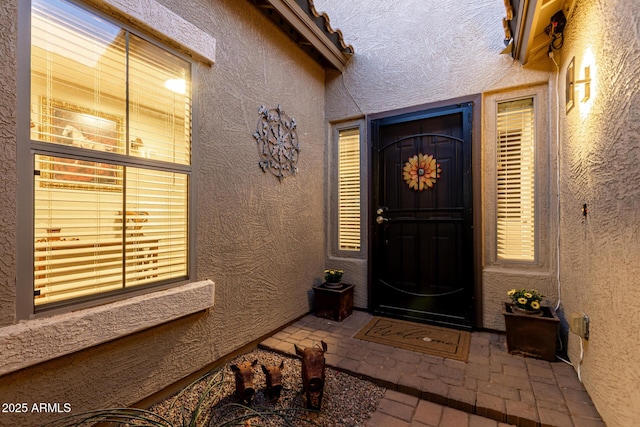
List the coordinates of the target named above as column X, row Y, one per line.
column 349, row 190
column 88, row 239
column 515, row 180
column 111, row 188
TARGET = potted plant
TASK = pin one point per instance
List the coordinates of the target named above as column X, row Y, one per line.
column 332, row 279
column 333, row 299
column 526, row 301
column 531, row 327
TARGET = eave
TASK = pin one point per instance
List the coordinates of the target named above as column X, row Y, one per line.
column 531, row 18
column 310, row 29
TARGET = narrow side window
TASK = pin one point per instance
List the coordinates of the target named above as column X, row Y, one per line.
column 349, row 189
column 515, row 180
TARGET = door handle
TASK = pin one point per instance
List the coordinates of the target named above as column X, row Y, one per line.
column 380, row 211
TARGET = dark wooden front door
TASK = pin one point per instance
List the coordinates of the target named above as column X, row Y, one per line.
column 422, row 254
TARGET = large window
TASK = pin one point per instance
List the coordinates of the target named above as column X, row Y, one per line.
column 349, row 189
column 111, row 146
column 515, row 180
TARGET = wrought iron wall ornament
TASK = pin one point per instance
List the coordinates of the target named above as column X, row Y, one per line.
column 421, row 172
column 277, row 140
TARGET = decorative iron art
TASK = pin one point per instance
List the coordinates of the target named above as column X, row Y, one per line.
column 421, row 172
column 277, row 142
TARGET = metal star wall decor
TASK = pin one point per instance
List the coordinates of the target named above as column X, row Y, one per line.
column 277, row 140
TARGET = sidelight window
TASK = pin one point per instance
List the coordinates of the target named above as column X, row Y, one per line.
column 111, row 147
column 515, row 180
column 349, row 189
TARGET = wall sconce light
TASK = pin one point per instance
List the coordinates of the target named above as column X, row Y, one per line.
column 586, row 81
column 571, row 83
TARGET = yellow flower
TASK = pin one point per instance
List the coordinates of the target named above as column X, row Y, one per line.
column 535, row 305
column 528, row 294
column 511, row 292
column 522, row 300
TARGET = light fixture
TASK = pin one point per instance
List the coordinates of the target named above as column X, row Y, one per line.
column 176, row 85
column 587, row 76
column 586, row 81
column 570, row 85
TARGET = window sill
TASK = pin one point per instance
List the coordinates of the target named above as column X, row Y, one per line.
column 38, row 340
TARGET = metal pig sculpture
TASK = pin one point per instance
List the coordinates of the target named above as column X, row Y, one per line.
column 273, row 376
column 244, row 380
column 313, row 374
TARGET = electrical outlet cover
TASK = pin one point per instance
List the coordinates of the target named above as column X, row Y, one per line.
column 579, row 324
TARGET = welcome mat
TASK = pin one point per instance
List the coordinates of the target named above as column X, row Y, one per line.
column 433, row 340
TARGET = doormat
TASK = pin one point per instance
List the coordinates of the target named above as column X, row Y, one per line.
column 433, row 340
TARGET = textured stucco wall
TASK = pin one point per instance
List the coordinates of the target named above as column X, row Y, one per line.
column 415, row 52
column 412, row 52
column 8, row 99
column 600, row 154
column 260, row 240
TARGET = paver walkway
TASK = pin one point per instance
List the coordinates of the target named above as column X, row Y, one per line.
column 490, row 389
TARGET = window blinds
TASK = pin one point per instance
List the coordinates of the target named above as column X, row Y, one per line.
column 78, row 77
column 111, row 188
column 515, row 180
column 349, row 190
column 85, row 69
column 107, row 232
column 159, row 103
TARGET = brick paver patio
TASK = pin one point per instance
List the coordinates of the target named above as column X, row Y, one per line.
column 492, row 388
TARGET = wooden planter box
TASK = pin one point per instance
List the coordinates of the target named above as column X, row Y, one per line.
column 335, row 304
column 531, row 335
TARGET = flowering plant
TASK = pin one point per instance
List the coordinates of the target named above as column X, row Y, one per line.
column 526, row 299
column 333, row 276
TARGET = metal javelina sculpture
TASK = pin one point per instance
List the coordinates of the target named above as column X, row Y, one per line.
column 273, row 377
column 244, row 380
column 313, row 367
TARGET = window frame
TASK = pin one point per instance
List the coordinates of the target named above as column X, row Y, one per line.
column 496, row 200
column 27, row 149
column 334, row 163
column 544, row 170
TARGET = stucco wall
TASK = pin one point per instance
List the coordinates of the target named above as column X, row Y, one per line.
column 412, row 52
column 416, row 52
column 8, row 94
column 260, row 240
column 600, row 154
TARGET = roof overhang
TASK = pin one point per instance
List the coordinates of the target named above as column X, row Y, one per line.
column 529, row 26
column 310, row 29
